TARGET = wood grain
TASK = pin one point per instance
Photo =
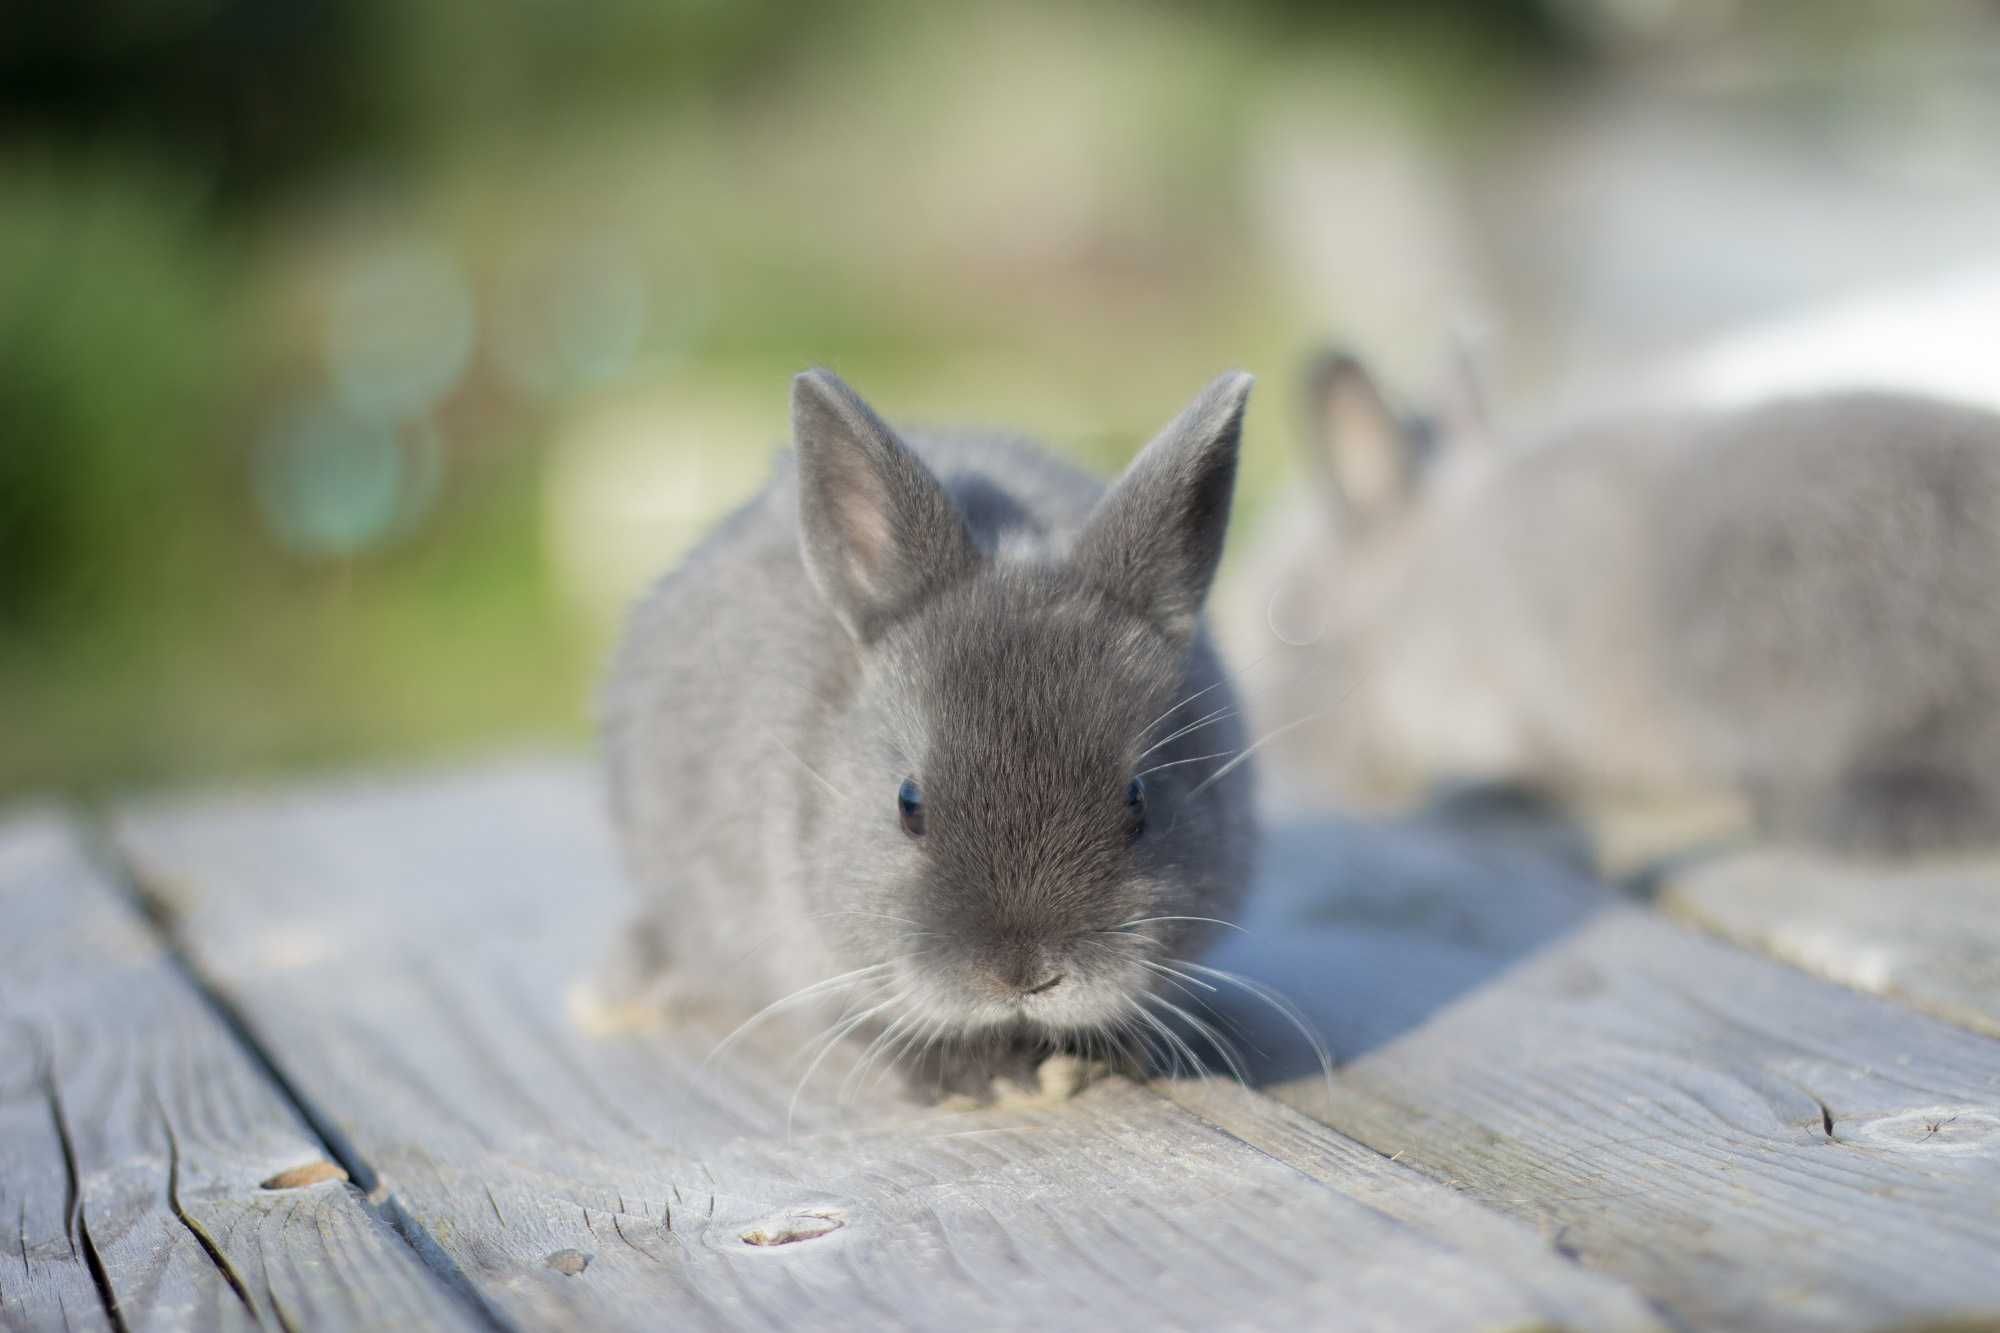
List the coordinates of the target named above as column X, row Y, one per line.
column 1926, row 933
column 135, row 1132
column 1750, row 1146
column 407, row 952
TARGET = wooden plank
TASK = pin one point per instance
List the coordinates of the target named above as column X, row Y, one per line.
column 407, row 951
column 44, row 1279
column 1361, row 1172
column 1751, row 1147
column 137, row 1138
column 1927, row 934
column 1634, row 839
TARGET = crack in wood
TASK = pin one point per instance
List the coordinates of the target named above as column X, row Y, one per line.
column 619, row 1227
column 74, row 1222
column 278, row 1311
column 375, row 1197
column 284, row 1318
column 193, row 1225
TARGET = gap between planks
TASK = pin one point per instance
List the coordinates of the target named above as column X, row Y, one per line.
column 1924, row 933
column 373, row 1196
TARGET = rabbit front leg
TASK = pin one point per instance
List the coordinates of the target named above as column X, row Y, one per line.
column 1004, row 1070
column 635, row 986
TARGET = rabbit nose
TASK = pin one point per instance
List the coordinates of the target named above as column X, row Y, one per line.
column 1025, row 970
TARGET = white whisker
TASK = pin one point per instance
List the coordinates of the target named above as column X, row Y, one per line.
column 1184, row 990
column 1213, row 685
column 1175, row 1044
column 840, row 1032
column 1132, row 1046
column 1215, row 1039
column 821, row 777
column 827, row 1036
column 803, row 993
column 1211, row 920
column 1217, row 716
column 1176, row 763
column 875, row 1048
column 1248, row 750
column 1271, row 623
column 922, row 1039
column 1164, row 970
column 1291, row 1012
column 1180, row 981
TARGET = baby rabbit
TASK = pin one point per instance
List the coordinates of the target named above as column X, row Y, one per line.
column 1798, row 602
column 930, row 731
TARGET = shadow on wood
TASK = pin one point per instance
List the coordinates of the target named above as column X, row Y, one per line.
column 1371, row 926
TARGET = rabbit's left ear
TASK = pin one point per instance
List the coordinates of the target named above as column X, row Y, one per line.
column 1155, row 538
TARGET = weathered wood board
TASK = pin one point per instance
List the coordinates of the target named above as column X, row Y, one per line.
column 1927, row 934
column 142, row 1149
column 1752, row 1147
column 51, row 1285
column 404, row 951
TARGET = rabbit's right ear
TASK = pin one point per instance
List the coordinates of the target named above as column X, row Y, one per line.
column 1358, row 445
column 876, row 530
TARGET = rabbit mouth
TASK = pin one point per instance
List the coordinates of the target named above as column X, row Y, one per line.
column 1061, row 1004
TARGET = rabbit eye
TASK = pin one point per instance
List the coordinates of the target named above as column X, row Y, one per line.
column 910, row 804
column 1135, row 808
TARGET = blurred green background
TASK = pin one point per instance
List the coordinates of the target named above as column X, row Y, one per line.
column 359, row 359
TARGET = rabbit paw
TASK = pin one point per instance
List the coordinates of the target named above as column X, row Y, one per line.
column 964, row 1080
column 633, row 989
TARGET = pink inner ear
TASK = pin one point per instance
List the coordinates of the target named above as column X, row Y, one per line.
column 864, row 524
column 1364, row 453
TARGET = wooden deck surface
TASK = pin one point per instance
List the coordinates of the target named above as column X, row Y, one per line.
column 316, row 1058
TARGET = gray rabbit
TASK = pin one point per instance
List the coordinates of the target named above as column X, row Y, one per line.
column 1797, row 601
column 930, row 734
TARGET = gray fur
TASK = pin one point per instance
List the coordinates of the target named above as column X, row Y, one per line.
column 967, row 611
column 1796, row 601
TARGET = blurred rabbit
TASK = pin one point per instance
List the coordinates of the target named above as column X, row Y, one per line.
column 1795, row 601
